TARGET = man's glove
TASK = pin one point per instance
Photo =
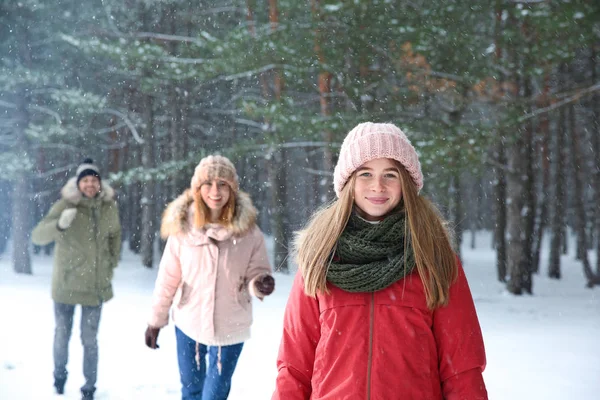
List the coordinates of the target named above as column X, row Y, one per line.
column 265, row 285
column 152, row 337
column 66, row 218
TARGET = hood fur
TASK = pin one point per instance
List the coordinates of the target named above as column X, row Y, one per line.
column 71, row 193
column 178, row 216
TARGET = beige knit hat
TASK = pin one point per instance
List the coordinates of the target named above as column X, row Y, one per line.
column 368, row 141
column 213, row 167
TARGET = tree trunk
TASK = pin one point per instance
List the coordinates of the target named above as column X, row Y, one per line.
column 148, row 198
column 595, row 135
column 325, row 102
column 544, row 128
column 176, row 140
column 316, row 180
column 501, row 211
column 278, row 230
column 476, row 219
column 21, row 201
column 135, row 225
column 114, row 154
column 577, row 160
column 529, row 209
column 5, row 215
column 21, row 225
column 565, row 235
column 176, row 132
column 457, row 212
column 134, row 190
column 517, row 262
column 500, row 170
column 39, row 203
column 558, row 229
column 277, row 169
column 519, row 207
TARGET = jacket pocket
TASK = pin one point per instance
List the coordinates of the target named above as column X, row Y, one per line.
column 186, row 290
column 339, row 298
column 242, row 294
column 79, row 277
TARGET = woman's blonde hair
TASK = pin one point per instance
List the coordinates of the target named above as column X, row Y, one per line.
column 435, row 259
column 202, row 211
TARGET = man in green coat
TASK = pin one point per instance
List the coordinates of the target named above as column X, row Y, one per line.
column 84, row 223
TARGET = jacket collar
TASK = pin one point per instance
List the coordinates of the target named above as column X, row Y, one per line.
column 72, row 194
column 179, row 216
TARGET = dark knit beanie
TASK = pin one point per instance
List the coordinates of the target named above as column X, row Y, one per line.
column 87, row 168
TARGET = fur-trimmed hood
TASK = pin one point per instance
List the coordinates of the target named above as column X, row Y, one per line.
column 71, row 192
column 179, row 215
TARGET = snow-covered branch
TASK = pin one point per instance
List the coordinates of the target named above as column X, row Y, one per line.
column 7, row 104
column 55, row 171
column 48, row 111
column 109, row 129
column 180, row 60
column 528, row 1
column 109, row 19
column 168, row 38
column 249, row 122
column 248, row 74
column 576, row 97
column 219, row 10
column 318, row 172
column 290, row 145
column 45, row 110
column 497, row 164
column 130, row 125
column 452, row 77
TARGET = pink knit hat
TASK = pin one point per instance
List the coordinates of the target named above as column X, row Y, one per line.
column 215, row 167
column 368, row 141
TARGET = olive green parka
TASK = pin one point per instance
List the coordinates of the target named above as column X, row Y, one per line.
column 88, row 251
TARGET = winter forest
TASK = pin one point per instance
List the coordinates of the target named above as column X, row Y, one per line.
column 500, row 98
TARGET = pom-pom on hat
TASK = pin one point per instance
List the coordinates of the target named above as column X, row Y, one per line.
column 86, row 168
column 368, row 141
column 215, row 167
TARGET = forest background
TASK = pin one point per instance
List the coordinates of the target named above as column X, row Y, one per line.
column 501, row 99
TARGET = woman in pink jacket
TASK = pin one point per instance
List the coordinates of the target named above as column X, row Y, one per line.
column 380, row 308
column 214, row 261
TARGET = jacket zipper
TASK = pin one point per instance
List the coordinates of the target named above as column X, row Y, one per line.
column 370, row 360
column 95, row 218
column 218, row 250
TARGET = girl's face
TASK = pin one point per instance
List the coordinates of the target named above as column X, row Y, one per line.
column 89, row 185
column 215, row 194
column 377, row 188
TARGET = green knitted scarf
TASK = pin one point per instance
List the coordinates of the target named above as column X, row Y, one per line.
column 370, row 257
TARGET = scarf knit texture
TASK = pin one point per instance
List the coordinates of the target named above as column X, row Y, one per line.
column 370, row 257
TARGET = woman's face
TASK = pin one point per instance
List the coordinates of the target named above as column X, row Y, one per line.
column 89, row 185
column 215, row 195
column 377, row 188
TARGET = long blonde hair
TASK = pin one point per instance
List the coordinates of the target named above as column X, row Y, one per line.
column 430, row 239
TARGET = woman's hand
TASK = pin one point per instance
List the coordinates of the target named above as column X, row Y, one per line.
column 265, row 285
column 152, row 337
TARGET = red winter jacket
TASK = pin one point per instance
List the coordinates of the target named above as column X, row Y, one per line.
column 381, row 346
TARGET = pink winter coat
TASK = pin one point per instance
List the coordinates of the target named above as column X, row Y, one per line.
column 207, row 275
column 384, row 345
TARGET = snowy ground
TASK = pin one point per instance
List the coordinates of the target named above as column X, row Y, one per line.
column 539, row 347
